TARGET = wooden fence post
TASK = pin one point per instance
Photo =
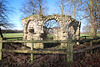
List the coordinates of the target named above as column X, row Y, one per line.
column 91, row 46
column 1, row 49
column 69, row 51
column 32, row 49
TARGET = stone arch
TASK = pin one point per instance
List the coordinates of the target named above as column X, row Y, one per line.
column 75, row 25
column 51, row 18
column 27, row 25
column 29, row 30
column 55, row 30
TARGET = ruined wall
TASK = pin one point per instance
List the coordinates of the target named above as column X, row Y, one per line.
column 34, row 28
column 56, row 33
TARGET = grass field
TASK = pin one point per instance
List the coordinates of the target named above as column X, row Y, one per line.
column 84, row 34
column 21, row 35
column 88, row 35
column 12, row 34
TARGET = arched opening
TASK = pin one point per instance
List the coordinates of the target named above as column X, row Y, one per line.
column 51, row 27
column 30, row 30
column 51, row 31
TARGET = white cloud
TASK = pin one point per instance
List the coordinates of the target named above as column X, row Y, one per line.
column 18, row 28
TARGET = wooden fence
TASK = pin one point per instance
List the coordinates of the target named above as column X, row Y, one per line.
column 69, row 51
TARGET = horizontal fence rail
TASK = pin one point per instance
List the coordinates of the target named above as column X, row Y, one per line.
column 86, row 49
column 50, row 51
column 35, row 51
column 36, row 41
column 69, row 51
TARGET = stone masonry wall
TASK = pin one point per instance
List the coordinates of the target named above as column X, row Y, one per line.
column 34, row 28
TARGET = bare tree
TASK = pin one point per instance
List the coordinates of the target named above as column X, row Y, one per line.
column 94, row 17
column 88, row 10
column 92, row 13
column 62, row 8
column 87, row 28
column 4, row 11
column 32, row 7
column 4, row 18
column 62, row 4
column 73, row 7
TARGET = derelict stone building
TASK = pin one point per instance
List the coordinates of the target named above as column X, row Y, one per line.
column 34, row 28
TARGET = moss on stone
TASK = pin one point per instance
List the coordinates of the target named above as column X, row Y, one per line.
column 25, row 18
column 35, row 16
column 69, row 16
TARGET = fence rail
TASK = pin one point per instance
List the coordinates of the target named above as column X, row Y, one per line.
column 69, row 51
column 35, row 51
column 35, row 41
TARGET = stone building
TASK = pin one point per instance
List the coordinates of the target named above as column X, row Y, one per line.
column 56, row 33
column 34, row 28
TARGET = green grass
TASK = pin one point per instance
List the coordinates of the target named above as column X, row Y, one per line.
column 84, row 34
column 12, row 34
column 7, row 35
column 88, row 34
column 50, row 37
column 98, row 35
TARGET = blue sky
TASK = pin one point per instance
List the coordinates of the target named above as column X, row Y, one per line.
column 16, row 16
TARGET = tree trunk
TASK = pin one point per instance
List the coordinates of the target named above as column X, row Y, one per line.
column 93, row 31
column 73, row 8
column 40, row 7
column 1, row 33
column 93, row 19
column 62, row 10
